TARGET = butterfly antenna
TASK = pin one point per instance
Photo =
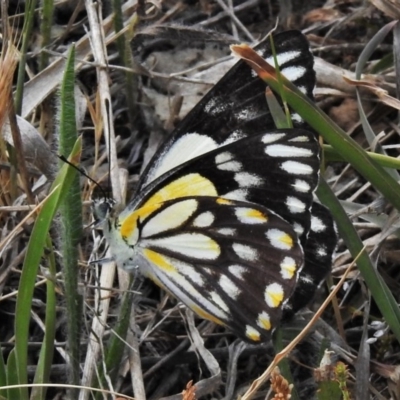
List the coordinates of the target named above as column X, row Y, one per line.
column 82, row 172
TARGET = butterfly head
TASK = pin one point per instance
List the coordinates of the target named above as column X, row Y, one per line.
column 103, row 209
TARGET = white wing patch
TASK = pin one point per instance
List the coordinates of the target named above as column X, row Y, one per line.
column 204, row 220
column 194, row 245
column 274, row 295
column 281, row 150
column 301, row 186
column 245, row 252
column 170, row 218
column 229, row 287
column 317, row 225
column 294, row 167
column 245, row 179
column 283, row 58
column 226, row 162
column 279, row 239
column 237, row 270
column 186, row 148
column 295, row 205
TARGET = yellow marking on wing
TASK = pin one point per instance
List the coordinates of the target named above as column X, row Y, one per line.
column 289, row 267
column 187, row 185
column 252, row 334
column 256, row 214
column 264, row 321
column 204, row 314
column 275, row 296
column 223, row 201
column 159, row 260
column 129, row 224
column 287, row 240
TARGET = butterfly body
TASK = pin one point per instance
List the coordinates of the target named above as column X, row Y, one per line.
column 223, row 212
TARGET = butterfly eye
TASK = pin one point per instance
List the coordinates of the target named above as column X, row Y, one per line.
column 102, row 209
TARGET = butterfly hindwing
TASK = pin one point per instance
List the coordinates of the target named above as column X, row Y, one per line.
column 232, row 262
column 318, row 250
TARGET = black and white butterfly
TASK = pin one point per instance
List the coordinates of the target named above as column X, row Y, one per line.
column 224, row 217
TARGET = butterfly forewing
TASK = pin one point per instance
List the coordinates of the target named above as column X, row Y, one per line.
column 235, row 108
column 232, row 262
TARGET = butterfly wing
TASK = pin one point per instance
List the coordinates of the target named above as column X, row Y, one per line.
column 231, row 262
column 278, row 170
column 318, row 250
column 235, row 107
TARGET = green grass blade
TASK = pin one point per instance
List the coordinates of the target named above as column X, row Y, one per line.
column 383, row 160
column 36, row 246
column 12, row 376
column 45, row 30
column 71, row 224
column 3, row 372
column 42, row 374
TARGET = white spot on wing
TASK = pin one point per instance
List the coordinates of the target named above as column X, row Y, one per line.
column 300, row 139
column 272, row 137
column 321, row 251
column 294, row 167
column 281, row 150
column 293, row 72
column 317, row 225
column 252, row 333
column 296, row 117
column 229, row 287
column 301, row 186
column 249, row 215
column 288, row 268
column 237, row 271
column 295, row 205
column 245, row 252
column 273, row 295
column 245, row 179
column 279, row 239
column 264, row 321
column 227, row 231
column 283, row 58
column 225, row 162
column 204, row 219
column 298, row 228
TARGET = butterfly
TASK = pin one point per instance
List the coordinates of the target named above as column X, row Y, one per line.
column 224, row 216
